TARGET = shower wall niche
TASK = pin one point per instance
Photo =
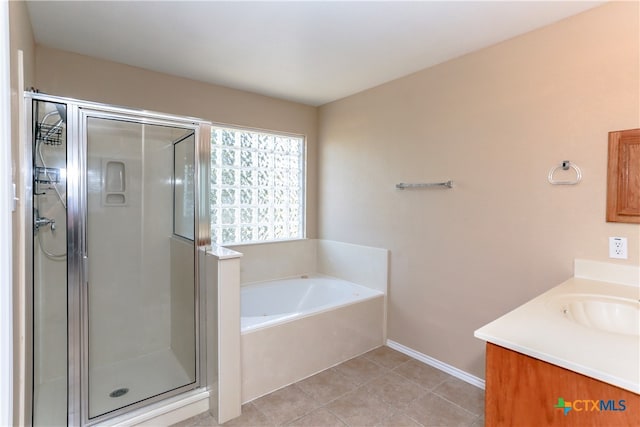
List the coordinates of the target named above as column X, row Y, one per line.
column 116, row 309
column 114, row 179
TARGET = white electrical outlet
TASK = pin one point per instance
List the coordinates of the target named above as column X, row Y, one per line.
column 618, row 247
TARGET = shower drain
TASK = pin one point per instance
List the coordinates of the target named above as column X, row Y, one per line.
column 119, row 392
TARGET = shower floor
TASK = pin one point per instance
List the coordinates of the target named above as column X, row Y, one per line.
column 144, row 376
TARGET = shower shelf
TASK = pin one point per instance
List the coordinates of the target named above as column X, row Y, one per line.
column 49, row 134
column 46, row 175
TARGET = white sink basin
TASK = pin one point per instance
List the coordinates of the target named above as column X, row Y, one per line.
column 605, row 313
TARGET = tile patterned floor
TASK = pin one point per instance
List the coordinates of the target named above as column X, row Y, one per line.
column 380, row 388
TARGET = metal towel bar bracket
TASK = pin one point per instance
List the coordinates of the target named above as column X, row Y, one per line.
column 565, row 165
column 447, row 184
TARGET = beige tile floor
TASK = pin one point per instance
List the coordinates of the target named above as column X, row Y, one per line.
column 380, row 388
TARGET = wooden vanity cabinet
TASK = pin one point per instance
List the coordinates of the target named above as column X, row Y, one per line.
column 523, row 391
column 623, row 176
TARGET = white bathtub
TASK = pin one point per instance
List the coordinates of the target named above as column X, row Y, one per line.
column 294, row 328
column 269, row 303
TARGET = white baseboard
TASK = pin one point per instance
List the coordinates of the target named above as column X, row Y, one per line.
column 458, row 373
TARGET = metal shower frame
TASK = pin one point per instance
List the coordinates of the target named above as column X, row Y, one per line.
column 77, row 261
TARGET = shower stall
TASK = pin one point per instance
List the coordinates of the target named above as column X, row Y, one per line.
column 119, row 217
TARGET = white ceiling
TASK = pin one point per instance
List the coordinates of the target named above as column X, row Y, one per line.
column 304, row 51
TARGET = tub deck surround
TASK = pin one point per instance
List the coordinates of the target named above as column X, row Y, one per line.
column 540, row 329
column 276, row 356
column 364, row 265
column 275, row 260
column 294, row 330
column 264, row 304
column 221, row 252
column 346, row 261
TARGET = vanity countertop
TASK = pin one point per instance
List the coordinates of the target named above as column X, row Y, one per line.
column 540, row 329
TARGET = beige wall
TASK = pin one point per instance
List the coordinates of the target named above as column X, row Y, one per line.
column 67, row 74
column 495, row 122
column 21, row 38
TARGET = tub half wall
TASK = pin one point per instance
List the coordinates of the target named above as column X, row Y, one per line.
column 277, row 356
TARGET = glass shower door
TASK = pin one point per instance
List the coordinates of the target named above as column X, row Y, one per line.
column 140, row 297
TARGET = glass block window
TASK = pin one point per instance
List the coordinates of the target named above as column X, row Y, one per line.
column 257, row 186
